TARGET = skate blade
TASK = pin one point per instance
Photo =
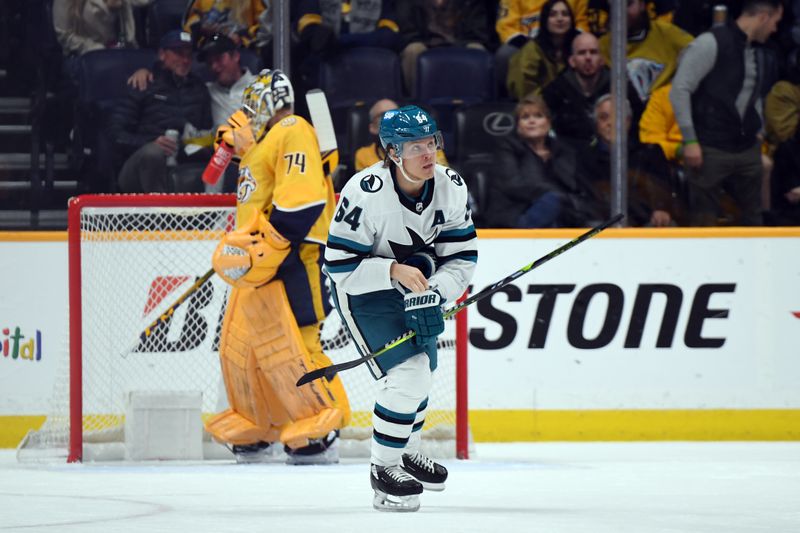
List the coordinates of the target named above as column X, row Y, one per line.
column 434, row 487
column 273, row 454
column 395, row 504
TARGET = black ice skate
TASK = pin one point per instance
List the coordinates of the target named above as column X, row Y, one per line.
column 429, row 473
column 395, row 490
column 260, row 452
column 322, row 451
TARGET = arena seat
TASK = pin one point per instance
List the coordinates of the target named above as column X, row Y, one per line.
column 102, row 83
column 478, row 127
column 450, row 77
column 358, row 77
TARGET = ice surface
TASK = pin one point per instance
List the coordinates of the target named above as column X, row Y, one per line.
column 506, row 488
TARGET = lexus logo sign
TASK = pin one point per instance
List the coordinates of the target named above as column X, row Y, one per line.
column 498, row 123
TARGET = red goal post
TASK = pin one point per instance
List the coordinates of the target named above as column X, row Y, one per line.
column 112, row 239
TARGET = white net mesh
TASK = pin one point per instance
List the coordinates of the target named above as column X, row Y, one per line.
column 135, row 263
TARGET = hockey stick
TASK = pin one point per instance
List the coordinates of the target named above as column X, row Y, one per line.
column 167, row 314
column 326, row 138
column 329, row 372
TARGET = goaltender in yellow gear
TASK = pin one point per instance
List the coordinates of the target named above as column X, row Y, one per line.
column 270, row 334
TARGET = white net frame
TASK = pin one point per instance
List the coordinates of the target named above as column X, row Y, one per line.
column 131, row 257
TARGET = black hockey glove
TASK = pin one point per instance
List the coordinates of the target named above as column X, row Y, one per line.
column 423, row 314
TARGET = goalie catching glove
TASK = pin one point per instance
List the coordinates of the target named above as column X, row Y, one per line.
column 250, row 256
column 423, row 315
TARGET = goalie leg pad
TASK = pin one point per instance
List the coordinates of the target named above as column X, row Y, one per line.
column 250, row 418
column 318, row 360
column 262, row 321
column 232, row 428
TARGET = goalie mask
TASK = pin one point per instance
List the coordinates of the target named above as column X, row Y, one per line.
column 409, row 123
column 263, row 98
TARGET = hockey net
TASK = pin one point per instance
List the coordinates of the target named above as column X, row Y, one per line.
column 131, row 257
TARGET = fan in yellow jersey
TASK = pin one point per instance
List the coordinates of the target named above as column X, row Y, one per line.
column 270, row 334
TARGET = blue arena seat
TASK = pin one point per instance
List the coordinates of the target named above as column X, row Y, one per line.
column 102, row 83
column 478, row 127
column 450, row 77
column 356, row 77
column 455, row 74
column 360, row 75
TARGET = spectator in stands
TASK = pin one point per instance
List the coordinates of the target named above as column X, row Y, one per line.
column 84, row 25
column 782, row 116
column 653, row 49
column 356, row 23
column 372, row 153
column 538, row 181
column 658, row 126
column 650, row 196
column 598, row 13
column 432, row 23
column 243, row 21
column 716, row 96
column 177, row 100
column 222, row 56
column 541, row 59
column 571, row 96
column 518, row 21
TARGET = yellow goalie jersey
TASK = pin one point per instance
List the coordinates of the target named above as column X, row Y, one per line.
column 270, row 334
column 282, row 177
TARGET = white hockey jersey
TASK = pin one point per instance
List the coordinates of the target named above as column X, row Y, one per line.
column 376, row 224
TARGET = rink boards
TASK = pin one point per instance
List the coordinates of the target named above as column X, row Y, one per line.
column 683, row 334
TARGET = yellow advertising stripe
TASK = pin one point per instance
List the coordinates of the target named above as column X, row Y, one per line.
column 612, row 233
column 33, row 236
column 635, row 425
column 13, row 428
column 593, row 425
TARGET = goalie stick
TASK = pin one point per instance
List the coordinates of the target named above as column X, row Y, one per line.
column 329, row 152
column 329, row 372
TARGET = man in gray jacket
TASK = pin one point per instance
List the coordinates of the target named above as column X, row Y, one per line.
column 717, row 96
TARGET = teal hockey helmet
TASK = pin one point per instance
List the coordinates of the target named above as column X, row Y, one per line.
column 409, row 123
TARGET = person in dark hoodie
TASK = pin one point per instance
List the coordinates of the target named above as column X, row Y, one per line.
column 174, row 99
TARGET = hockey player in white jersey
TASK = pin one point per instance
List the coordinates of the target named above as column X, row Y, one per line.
column 401, row 245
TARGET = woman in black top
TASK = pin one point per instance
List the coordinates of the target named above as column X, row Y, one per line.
column 538, row 182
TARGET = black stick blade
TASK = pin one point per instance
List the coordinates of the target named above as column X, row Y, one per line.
column 314, row 374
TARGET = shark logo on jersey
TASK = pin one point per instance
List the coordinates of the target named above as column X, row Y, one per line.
column 404, row 251
column 247, row 184
column 371, row 183
column 454, row 176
